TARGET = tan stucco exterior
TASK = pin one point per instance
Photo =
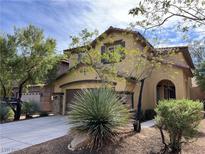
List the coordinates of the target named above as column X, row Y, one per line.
column 175, row 74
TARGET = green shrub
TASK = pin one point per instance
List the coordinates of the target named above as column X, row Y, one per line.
column 149, row 114
column 6, row 113
column 29, row 108
column 180, row 119
column 98, row 113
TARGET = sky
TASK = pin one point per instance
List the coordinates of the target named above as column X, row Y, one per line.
column 60, row 19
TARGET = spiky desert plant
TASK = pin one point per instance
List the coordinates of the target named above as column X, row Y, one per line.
column 98, row 113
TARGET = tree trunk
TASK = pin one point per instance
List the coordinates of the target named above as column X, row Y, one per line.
column 4, row 89
column 137, row 123
column 165, row 149
column 17, row 114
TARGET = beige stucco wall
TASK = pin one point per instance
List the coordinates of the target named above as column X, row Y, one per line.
column 197, row 94
column 175, row 74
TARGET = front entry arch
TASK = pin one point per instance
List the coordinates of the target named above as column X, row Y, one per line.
column 165, row 90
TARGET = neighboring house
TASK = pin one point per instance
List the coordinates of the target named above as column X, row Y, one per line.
column 42, row 94
column 196, row 92
column 39, row 94
column 162, row 84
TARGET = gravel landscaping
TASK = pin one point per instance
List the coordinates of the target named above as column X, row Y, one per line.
column 148, row 141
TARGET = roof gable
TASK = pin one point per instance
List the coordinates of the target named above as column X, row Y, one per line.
column 110, row 30
column 184, row 50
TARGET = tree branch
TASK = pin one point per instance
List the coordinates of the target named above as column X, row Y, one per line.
column 160, row 24
column 194, row 17
column 21, row 87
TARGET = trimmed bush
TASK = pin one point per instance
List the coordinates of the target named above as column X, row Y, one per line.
column 180, row 119
column 6, row 113
column 29, row 108
column 98, row 113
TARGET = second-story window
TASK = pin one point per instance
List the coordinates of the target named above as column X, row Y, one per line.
column 111, row 47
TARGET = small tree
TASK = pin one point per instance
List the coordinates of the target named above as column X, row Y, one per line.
column 83, row 53
column 26, row 58
column 179, row 118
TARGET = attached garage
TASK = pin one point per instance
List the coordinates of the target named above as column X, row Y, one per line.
column 70, row 89
column 70, row 94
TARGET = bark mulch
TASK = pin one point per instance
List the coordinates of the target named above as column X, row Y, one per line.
column 148, row 141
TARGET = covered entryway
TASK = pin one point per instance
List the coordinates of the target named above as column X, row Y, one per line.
column 166, row 90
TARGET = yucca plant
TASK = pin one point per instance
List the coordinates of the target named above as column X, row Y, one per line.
column 98, row 113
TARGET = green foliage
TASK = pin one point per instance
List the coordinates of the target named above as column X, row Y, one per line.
column 83, row 46
column 200, row 75
column 98, row 113
column 5, row 113
column 26, row 57
column 36, row 54
column 30, row 108
column 8, row 60
column 180, row 119
column 198, row 55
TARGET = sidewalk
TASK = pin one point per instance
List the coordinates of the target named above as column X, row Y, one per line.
column 148, row 124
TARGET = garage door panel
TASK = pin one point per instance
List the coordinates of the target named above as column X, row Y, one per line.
column 70, row 94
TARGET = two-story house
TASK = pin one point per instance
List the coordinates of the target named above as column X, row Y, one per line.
column 174, row 83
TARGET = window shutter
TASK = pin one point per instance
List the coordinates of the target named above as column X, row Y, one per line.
column 102, row 49
column 102, row 52
column 122, row 53
column 79, row 57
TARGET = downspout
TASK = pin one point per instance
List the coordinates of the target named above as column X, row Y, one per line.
column 64, row 102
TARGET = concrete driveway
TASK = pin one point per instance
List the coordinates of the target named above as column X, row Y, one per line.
column 19, row 135
column 15, row 136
